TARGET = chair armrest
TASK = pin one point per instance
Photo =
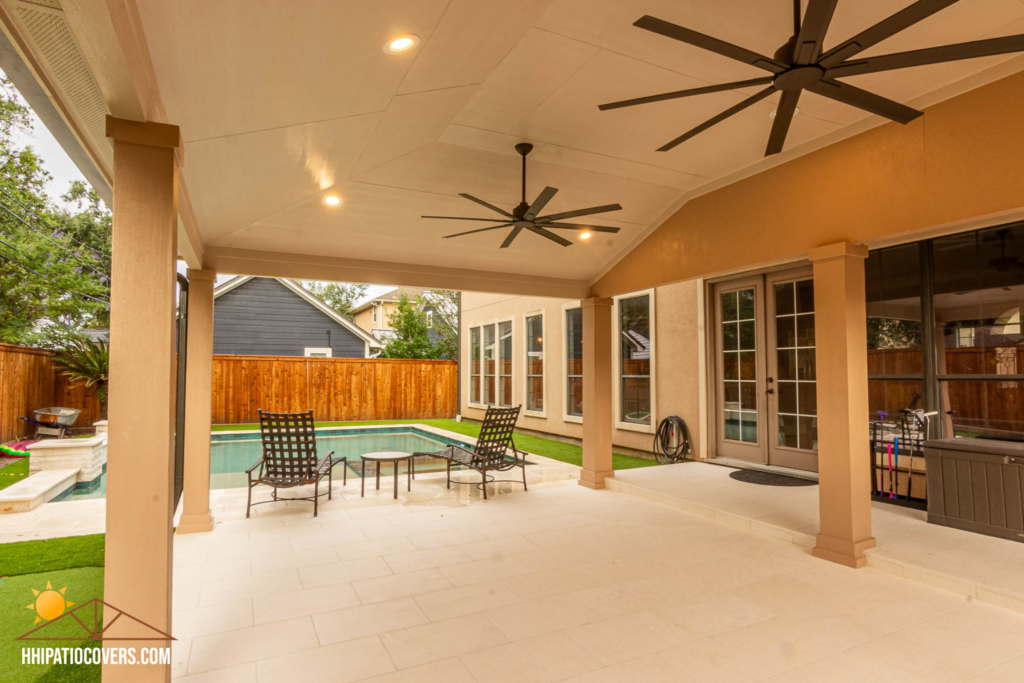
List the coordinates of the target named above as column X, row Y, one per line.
column 326, row 462
column 258, row 463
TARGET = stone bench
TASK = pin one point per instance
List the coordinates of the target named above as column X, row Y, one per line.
column 36, row 489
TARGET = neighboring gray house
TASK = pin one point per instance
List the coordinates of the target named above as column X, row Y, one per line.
column 261, row 316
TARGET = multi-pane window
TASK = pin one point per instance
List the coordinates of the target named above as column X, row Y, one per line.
column 574, row 361
column 474, row 365
column 794, row 344
column 635, row 358
column 505, row 363
column 490, row 352
column 739, row 365
column 535, row 363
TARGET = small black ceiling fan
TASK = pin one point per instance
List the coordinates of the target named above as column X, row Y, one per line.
column 524, row 216
column 801, row 65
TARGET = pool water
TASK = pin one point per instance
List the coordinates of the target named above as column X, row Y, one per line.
column 232, row 454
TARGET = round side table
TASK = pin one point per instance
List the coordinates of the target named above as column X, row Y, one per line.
column 393, row 457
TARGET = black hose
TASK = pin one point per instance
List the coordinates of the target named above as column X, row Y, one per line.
column 671, row 429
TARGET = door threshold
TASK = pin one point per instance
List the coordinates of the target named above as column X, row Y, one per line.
column 760, row 467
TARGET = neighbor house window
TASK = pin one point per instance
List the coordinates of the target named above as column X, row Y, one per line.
column 489, row 365
column 505, row 363
column 574, row 361
column 318, row 352
column 635, row 359
column 374, row 314
column 474, row 365
column 535, row 363
column 430, row 319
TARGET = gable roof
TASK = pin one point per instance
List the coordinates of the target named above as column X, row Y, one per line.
column 391, row 296
column 294, row 286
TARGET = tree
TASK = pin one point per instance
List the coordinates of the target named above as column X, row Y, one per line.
column 54, row 261
column 445, row 303
column 411, row 336
column 340, row 296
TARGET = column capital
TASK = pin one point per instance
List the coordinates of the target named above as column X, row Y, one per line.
column 204, row 274
column 596, row 301
column 838, row 250
column 147, row 133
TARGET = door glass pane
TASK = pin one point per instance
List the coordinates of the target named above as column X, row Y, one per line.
column 505, row 362
column 535, row 363
column 739, row 365
column 635, row 356
column 490, row 366
column 893, row 292
column 794, row 341
column 574, row 361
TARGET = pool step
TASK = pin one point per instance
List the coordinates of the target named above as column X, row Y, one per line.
column 36, row 489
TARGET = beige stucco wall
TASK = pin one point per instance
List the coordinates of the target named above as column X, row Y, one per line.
column 677, row 361
column 364, row 319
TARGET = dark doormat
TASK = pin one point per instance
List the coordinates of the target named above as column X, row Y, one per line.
column 769, row 479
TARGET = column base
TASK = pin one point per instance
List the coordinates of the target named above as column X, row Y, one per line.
column 840, row 551
column 594, row 480
column 193, row 524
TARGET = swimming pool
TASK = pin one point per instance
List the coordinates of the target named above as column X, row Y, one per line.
column 232, row 454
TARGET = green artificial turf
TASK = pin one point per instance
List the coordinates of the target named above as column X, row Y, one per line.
column 33, row 557
column 83, row 584
column 13, row 473
column 556, row 450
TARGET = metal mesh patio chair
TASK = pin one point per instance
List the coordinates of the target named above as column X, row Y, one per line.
column 290, row 459
column 492, row 449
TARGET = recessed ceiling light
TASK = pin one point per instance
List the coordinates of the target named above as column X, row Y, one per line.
column 402, row 43
column 796, row 110
column 332, row 200
column 584, row 235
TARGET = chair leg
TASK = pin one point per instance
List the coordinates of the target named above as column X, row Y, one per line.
column 248, row 504
column 330, row 481
column 316, row 497
column 483, row 475
column 344, row 471
column 449, row 473
column 525, row 488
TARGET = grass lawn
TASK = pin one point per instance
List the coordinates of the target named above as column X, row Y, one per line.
column 75, row 563
column 12, row 474
column 556, row 450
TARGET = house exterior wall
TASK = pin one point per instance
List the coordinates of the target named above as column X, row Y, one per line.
column 364, row 318
column 675, row 376
column 263, row 317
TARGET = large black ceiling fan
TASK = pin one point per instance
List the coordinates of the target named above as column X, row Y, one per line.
column 801, row 64
column 525, row 216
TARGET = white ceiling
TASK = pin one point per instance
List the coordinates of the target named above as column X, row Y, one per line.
column 281, row 103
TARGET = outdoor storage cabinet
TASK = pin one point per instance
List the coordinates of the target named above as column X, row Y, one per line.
column 977, row 485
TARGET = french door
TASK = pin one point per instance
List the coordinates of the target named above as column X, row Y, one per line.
column 765, row 377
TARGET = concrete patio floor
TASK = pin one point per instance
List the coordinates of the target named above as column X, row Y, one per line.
column 977, row 566
column 558, row 583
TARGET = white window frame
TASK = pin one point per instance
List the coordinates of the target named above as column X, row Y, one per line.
column 564, row 379
column 482, row 405
column 310, row 350
column 543, row 363
column 617, row 360
column 374, row 313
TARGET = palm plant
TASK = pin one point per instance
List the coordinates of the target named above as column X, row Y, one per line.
column 83, row 360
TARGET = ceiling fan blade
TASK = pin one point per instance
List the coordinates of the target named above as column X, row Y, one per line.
column 581, row 212
column 862, row 99
column 685, row 93
column 513, row 233
column 470, row 232
column 550, row 235
column 578, row 226
column 540, row 202
column 685, row 35
column 753, row 99
column 905, row 18
column 783, row 118
column 481, row 202
column 812, row 30
column 463, row 218
column 932, row 55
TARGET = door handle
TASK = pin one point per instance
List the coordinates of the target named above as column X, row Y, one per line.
column 770, row 391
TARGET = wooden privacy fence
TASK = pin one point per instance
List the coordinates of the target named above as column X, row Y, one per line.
column 29, row 381
column 337, row 389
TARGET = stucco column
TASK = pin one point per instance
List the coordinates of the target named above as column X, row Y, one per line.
column 140, row 446
column 198, row 402
column 597, row 392
column 844, row 489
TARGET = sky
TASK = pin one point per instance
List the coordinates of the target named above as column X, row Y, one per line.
column 63, row 171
